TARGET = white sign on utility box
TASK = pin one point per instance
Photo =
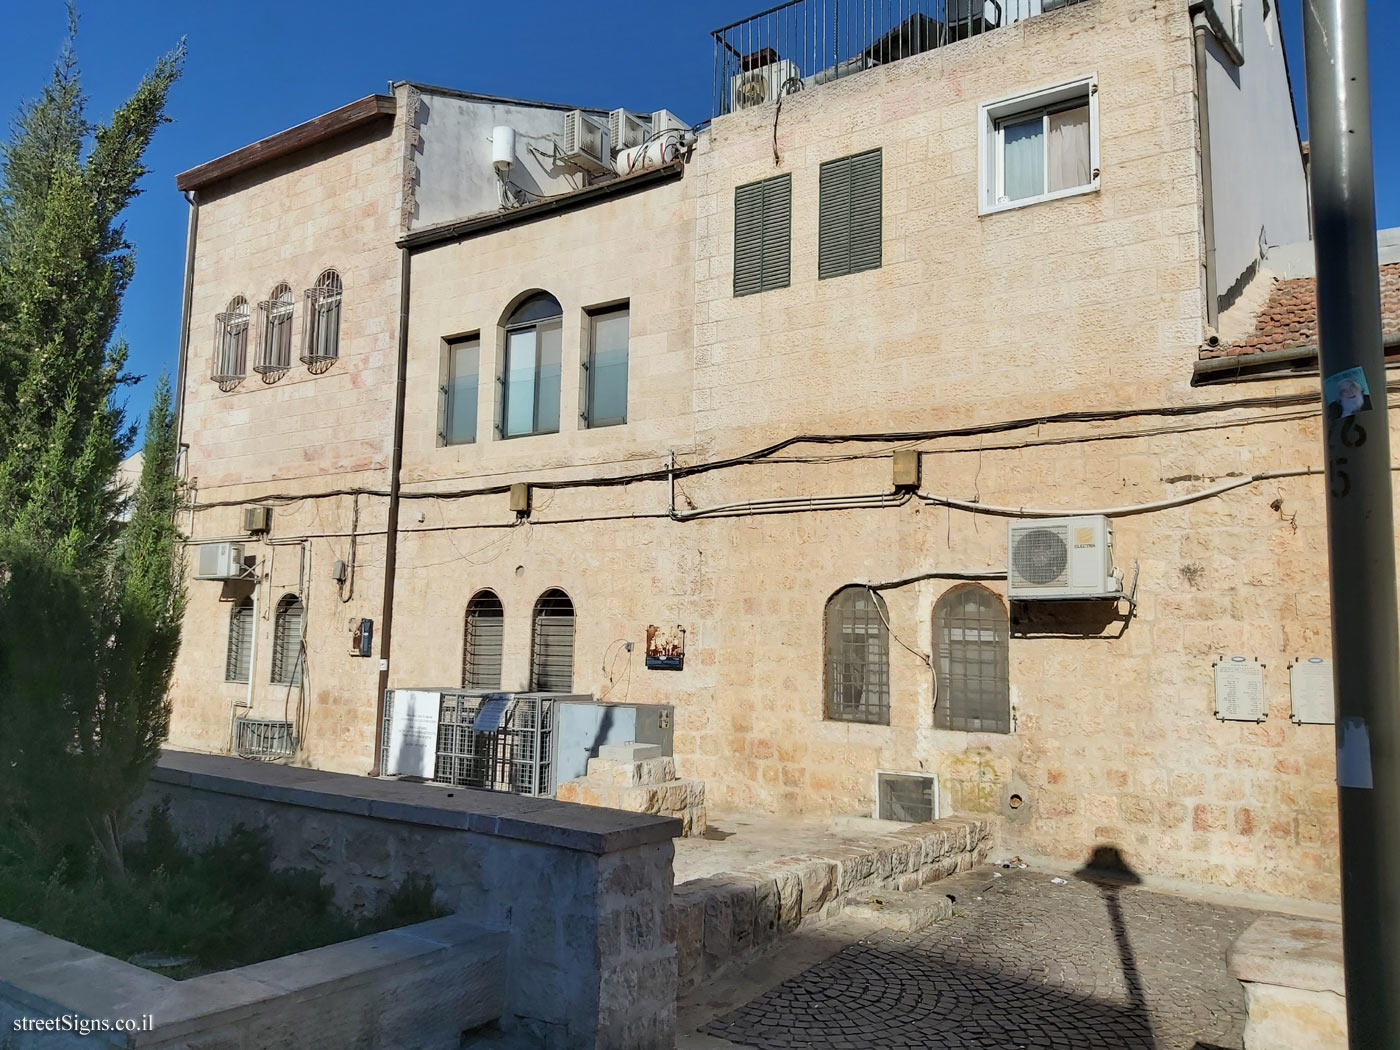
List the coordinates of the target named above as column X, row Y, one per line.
column 413, row 732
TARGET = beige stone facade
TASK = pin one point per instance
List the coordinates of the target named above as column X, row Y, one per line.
column 986, row 329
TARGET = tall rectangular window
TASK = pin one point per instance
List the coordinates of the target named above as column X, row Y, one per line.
column 1040, row 146
column 534, row 343
column 606, row 368
column 763, row 235
column 463, row 368
column 849, row 233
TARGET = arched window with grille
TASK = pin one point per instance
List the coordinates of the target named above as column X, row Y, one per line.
column 552, row 644
column 970, row 636
column 857, row 657
column 530, row 367
column 240, row 641
column 287, row 641
column 483, row 641
column 231, row 342
column 275, row 332
column 321, row 324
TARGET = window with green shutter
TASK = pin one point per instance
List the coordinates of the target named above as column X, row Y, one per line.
column 849, row 237
column 763, row 235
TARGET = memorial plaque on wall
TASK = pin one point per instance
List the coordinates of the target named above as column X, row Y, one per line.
column 1239, row 690
column 1310, row 679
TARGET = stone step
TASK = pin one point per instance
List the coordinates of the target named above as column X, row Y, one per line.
column 905, row 912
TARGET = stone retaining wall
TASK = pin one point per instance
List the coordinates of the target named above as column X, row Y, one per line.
column 619, row 780
column 1294, row 984
column 719, row 920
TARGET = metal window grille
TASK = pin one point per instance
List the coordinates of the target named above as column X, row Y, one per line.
column 275, row 332
column 849, row 233
column 321, row 339
column 240, row 641
column 552, row 644
column 483, row 642
column 262, row 738
column 287, row 641
column 857, row 657
column 516, row 757
column 763, row 235
column 231, row 343
column 971, row 635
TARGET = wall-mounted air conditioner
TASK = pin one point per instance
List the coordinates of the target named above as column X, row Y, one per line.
column 754, row 87
column 585, row 143
column 219, row 561
column 626, row 130
column 1061, row 558
column 257, row 519
column 665, row 120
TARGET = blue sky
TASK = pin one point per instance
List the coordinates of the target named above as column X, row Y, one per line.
column 256, row 67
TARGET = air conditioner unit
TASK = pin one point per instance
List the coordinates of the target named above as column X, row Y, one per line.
column 257, row 519
column 665, row 120
column 586, row 143
column 626, row 130
column 1061, row 558
column 220, row 561
column 754, row 87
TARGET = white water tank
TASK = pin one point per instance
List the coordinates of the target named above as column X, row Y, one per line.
column 502, row 147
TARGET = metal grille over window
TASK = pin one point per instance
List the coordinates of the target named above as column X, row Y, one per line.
column 552, row 645
column 240, row 641
column 763, row 235
column 970, row 633
column 850, row 228
column 275, row 341
column 231, row 343
column 857, row 657
column 321, row 324
column 483, row 642
column 287, row 637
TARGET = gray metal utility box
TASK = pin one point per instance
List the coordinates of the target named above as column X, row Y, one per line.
column 583, row 726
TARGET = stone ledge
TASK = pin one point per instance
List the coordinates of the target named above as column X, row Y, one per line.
column 1291, row 953
column 586, row 829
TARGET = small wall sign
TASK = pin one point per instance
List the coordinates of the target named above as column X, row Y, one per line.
column 1310, row 681
column 1239, row 690
column 665, row 648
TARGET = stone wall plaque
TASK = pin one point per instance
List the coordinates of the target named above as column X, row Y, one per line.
column 1239, row 690
column 1310, row 681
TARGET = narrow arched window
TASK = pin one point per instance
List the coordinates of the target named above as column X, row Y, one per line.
column 321, row 325
column 857, row 657
column 534, row 334
column 552, row 644
column 275, row 335
column 288, row 641
column 970, row 631
column 231, row 342
column 483, row 641
column 240, row 641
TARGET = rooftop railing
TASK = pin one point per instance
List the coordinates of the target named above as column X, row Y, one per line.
column 804, row 43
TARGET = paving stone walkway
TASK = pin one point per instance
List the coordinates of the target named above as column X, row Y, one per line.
column 1031, row 964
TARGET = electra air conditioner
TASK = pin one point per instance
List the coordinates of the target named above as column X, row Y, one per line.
column 754, row 87
column 219, row 561
column 1061, row 558
column 585, row 143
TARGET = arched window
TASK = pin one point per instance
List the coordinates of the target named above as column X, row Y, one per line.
column 552, row 644
column 287, row 641
column 321, row 324
column 483, row 640
column 231, row 342
column 970, row 631
column 534, row 334
column 857, row 657
column 240, row 641
column 275, row 337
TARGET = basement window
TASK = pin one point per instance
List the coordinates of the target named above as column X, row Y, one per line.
column 1040, row 146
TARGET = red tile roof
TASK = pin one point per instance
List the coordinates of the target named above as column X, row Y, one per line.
column 1289, row 318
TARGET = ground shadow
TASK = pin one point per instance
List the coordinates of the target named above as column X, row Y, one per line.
column 1108, row 871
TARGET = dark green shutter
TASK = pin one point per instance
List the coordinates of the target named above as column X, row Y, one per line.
column 849, row 235
column 763, row 235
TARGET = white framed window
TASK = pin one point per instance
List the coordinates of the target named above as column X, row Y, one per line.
column 462, row 373
column 530, row 370
column 1039, row 146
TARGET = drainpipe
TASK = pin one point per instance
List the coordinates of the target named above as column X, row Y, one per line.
column 1200, row 27
column 391, row 543
column 191, row 233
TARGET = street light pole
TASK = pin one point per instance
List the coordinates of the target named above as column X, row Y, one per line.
column 1360, row 527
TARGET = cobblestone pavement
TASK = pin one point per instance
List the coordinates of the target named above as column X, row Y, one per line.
column 1031, row 964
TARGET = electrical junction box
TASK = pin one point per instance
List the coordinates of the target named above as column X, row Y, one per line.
column 907, row 469
column 520, row 497
column 362, row 638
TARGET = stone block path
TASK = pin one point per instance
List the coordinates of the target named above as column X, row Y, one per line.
column 1031, row 964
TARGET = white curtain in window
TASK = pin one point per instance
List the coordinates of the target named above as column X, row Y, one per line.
column 1023, row 158
column 1068, row 149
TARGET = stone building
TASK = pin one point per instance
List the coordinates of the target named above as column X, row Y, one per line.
column 996, row 243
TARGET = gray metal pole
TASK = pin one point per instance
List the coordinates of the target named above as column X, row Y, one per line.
column 1360, row 528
